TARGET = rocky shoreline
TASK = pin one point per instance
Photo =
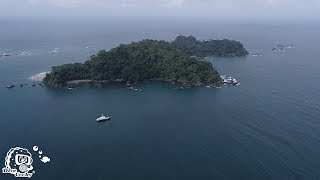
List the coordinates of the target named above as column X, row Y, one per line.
column 128, row 84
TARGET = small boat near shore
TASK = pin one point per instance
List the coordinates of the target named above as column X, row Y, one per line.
column 256, row 54
column 134, row 89
column 103, row 118
column 4, row 55
column 230, row 80
column 10, row 86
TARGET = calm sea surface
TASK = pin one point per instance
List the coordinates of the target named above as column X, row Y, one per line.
column 268, row 127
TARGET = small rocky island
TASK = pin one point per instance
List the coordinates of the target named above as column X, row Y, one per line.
column 179, row 61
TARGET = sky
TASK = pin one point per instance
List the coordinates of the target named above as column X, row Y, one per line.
column 164, row 8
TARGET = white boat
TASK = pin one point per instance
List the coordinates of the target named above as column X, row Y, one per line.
column 255, row 54
column 10, row 87
column 103, row 118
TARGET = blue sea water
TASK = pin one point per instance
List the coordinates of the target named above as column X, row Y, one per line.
column 268, row 127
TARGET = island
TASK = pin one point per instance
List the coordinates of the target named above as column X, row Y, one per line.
column 180, row 61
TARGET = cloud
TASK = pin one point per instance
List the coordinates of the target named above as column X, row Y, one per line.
column 174, row 3
column 124, row 3
column 65, row 3
column 207, row 8
column 128, row 4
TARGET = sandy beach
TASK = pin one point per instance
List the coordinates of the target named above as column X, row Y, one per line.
column 39, row 77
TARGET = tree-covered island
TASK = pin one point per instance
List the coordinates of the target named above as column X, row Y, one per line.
column 151, row 59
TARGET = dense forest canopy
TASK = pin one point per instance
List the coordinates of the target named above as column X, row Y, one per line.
column 193, row 47
column 150, row 59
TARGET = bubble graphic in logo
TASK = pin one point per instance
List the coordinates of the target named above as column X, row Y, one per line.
column 35, row 148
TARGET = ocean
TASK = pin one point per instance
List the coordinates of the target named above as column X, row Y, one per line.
column 268, row 127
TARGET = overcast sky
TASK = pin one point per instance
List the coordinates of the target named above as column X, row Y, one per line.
column 198, row 8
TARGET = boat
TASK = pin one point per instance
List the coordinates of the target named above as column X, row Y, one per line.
column 103, row 118
column 53, row 51
column 232, row 81
column 133, row 89
column 256, row 54
column 10, row 87
column 229, row 80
